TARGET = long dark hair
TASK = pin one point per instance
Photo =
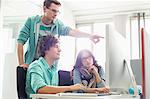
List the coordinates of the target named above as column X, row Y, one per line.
column 78, row 63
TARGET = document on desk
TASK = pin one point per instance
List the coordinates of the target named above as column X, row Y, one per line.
column 78, row 94
column 87, row 94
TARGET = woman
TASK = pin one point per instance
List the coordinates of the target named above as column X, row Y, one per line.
column 89, row 73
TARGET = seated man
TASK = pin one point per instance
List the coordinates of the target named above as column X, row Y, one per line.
column 89, row 73
column 42, row 76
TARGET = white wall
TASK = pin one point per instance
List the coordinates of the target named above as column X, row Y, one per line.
column 68, row 19
column 1, row 55
column 67, row 16
column 147, row 65
column 9, row 77
column 16, row 11
column 9, row 63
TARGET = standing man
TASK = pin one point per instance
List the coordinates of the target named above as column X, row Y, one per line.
column 42, row 75
column 37, row 26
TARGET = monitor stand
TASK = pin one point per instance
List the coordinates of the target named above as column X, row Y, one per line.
column 132, row 78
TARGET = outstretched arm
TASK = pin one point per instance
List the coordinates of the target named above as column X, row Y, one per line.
column 76, row 33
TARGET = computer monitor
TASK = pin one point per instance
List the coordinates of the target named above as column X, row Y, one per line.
column 119, row 74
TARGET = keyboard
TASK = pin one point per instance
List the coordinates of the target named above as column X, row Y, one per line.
column 114, row 93
column 110, row 93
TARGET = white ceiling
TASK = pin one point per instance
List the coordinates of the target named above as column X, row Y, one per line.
column 98, row 9
column 80, row 5
column 93, row 4
column 82, row 10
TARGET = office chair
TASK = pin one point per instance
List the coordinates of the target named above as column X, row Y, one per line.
column 21, row 81
column 65, row 78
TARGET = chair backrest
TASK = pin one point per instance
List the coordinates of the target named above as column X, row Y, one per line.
column 65, row 78
column 21, row 82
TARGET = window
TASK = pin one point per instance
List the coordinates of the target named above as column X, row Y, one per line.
column 84, row 43
column 66, row 60
column 136, row 37
column 99, row 49
column 147, row 25
column 134, row 40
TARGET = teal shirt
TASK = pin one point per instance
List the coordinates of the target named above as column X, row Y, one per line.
column 30, row 34
column 39, row 75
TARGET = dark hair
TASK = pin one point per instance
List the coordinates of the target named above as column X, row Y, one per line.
column 48, row 3
column 79, row 64
column 45, row 43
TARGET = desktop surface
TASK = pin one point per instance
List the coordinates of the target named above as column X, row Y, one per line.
column 82, row 96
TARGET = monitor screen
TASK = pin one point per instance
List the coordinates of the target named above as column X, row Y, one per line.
column 118, row 71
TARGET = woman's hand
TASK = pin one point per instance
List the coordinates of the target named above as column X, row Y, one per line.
column 102, row 90
column 93, row 70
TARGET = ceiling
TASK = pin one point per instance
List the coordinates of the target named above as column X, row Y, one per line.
column 82, row 10
column 98, row 9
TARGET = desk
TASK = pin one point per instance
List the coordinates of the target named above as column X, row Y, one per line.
column 56, row 96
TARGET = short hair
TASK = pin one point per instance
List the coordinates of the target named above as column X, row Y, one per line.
column 78, row 63
column 48, row 3
column 45, row 43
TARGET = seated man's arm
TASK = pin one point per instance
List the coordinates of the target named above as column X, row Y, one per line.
column 39, row 85
column 59, row 89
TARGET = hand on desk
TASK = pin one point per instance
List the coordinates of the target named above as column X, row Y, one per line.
column 97, row 90
column 102, row 90
column 78, row 87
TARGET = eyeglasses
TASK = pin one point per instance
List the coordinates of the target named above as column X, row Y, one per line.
column 85, row 58
column 54, row 11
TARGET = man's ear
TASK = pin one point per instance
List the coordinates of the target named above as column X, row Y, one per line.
column 44, row 8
